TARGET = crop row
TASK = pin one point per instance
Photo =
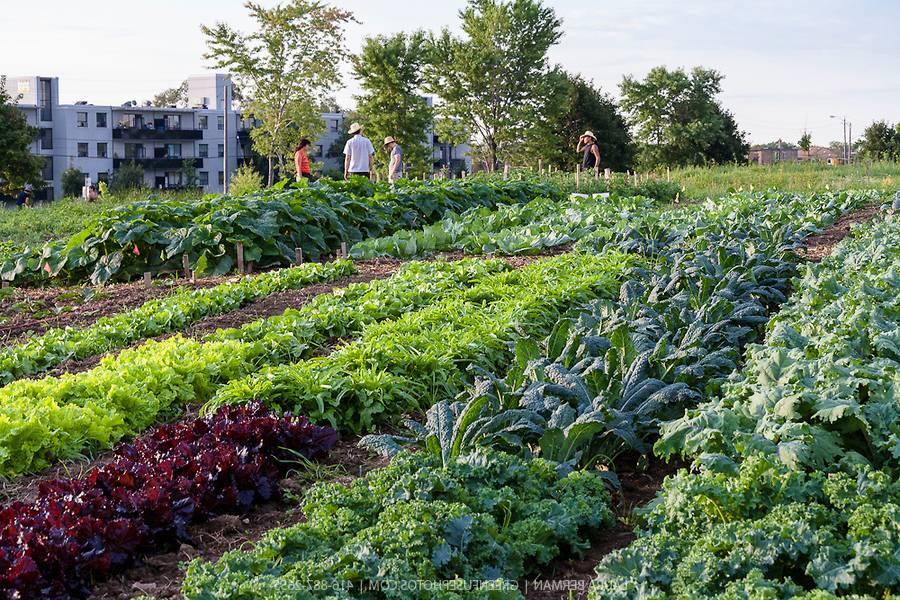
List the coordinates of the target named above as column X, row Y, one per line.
column 41, row 353
column 798, row 453
column 61, row 417
column 425, row 356
column 146, row 496
column 608, row 374
column 518, row 229
column 156, row 234
column 417, row 529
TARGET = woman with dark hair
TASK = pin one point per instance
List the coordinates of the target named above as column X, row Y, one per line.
column 301, row 161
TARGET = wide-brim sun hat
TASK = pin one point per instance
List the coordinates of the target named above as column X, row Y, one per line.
column 354, row 128
column 589, row 134
column 29, row 187
column 389, row 140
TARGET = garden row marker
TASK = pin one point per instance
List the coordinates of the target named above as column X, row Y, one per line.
column 186, row 265
column 298, row 256
column 240, row 258
column 148, row 278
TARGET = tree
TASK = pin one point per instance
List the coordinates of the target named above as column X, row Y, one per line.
column 678, row 119
column 493, row 83
column 189, row 177
column 805, row 142
column 389, row 70
column 72, row 181
column 18, row 165
column 177, row 96
column 284, row 69
column 581, row 107
column 127, row 177
column 880, row 141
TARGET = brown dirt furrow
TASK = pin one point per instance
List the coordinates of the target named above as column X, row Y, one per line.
column 818, row 246
column 569, row 577
column 35, row 310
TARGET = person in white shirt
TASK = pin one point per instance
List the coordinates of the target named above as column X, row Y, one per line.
column 358, row 153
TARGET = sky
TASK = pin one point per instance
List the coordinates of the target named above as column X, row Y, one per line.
column 788, row 65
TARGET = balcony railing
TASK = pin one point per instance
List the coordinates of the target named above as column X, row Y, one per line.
column 158, row 164
column 141, row 133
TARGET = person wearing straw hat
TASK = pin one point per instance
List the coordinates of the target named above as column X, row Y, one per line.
column 395, row 164
column 358, row 153
column 24, row 197
column 587, row 143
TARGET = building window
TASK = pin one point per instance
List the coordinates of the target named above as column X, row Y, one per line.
column 221, row 150
column 46, row 138
column 173, row 179
column 221, row 122
column 82, row 150
column 134, row 151
column 47, row 169
column 319, row 151
column 81, row 119
column 102, row 151
column 173, row 122
column 103, row 176
column 203, row 178
column 204, row 151
column 46, row 100
column 173, row 150
column 203, row 122
column 335, row 125
column 101, row 119
column 221, row 177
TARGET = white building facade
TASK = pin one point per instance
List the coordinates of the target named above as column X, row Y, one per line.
column 167, row 143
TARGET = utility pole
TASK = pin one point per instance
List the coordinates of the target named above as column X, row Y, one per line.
column 850, row 142
column 225, row 177
column 846, row 147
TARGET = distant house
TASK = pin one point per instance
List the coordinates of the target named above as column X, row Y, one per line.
column 819, row 153
column 774, row 152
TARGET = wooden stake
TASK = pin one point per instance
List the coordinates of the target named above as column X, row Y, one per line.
column 540, row 166
column 577, row 177
column 607, row 173
column 250, row 267
column 344, row 253
column 5, row 284
column 240, row 258
column 148, row 278
column 298, row 256
column 186, row 265
column 505, row 170
column 668, row 174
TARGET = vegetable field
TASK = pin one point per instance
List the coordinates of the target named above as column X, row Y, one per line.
column 457, row 427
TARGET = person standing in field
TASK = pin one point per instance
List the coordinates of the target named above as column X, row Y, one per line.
column 358, row 153
column 587, row 144
column 301, row 160
column 24, row 197
column 395, row 164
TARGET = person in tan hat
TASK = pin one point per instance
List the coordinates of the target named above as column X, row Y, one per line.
column 587, row 143
column 358, row 153
column 395, row 164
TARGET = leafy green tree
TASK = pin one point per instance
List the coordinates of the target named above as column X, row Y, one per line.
column 805, row 142
column 678, row 119
column 880, row 141
column 72, row 181
column 189, row 177
column 18, row 165
column 177, row 96
column 580, row 107
column 127, row 177
column 494, row 82
column 283, row 68
column 389, row 70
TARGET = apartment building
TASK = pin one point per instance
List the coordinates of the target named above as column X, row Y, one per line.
column 98, row 140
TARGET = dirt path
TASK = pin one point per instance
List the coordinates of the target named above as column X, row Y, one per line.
column 818, row 246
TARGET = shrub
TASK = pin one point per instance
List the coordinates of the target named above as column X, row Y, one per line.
column 245, row 180
column 128, row 177
column 72, row 182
